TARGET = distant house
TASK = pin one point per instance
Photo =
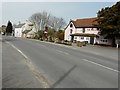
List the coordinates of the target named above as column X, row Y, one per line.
column 28, row 30
column 84, row 30
column 18, row 30
column 3, row 29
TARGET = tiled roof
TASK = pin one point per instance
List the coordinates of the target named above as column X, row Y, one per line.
column 19, row 25
column 87, row 22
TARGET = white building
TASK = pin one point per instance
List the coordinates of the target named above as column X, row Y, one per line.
column 28, row 30
column 18, row 30
column 84, row 30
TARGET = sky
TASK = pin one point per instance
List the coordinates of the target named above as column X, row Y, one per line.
column 21, row 11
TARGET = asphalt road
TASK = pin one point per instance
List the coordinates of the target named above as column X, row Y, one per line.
column 69, row 67
column 15, row 71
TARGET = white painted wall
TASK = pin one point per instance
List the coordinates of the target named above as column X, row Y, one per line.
column 67, row 32
column 18, row 32
column 79, row 30
column 91, row 30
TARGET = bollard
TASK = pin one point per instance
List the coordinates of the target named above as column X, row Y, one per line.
column 117, row 46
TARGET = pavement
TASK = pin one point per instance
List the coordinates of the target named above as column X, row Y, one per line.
column 69, row 67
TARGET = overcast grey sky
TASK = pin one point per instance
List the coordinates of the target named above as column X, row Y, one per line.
column 21, row 11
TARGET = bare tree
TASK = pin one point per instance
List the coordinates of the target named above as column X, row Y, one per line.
column 61, row 23
column 36, row 20
column 56, row 23
column 45, row 19
column 40, row 20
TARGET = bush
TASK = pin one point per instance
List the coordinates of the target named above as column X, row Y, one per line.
column 36, row 37
column 80, row 44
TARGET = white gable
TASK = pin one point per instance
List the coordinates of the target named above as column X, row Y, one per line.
column 68, row 31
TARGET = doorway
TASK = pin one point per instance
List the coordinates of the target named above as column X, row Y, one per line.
column 92, row 40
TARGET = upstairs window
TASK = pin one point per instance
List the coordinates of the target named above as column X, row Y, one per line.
column 71, row 25
column 83, row 30
column 71, row 31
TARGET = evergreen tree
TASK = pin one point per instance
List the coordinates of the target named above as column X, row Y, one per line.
column 109, row 22
column 9, row 28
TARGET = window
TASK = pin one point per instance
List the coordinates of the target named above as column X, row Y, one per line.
column 83, row 30
column 104, row 40
column 88, row 29
column 71, row 25
column 75, row 37
column 71, row 31
column 81, row 37
column 87, row 38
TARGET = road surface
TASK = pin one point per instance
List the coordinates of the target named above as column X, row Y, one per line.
column 15, row 71
column 62, row 66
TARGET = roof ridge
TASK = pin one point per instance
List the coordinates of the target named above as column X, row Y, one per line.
column 85, row 22
column 86, row 18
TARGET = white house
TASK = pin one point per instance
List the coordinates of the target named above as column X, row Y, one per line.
column 18, row 30
column 84, row 30
column 28, row 30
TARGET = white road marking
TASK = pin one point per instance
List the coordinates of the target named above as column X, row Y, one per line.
column 18, row 50
column 67, row 54
column 62, row 52
column 101, row 65
column 37, row 74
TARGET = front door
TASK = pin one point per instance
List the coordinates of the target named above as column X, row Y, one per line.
column 91, row 40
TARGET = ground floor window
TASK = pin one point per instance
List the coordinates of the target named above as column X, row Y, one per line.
column 75, row 37
column 104, row 40
column 81, row 37
column 87, row 38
